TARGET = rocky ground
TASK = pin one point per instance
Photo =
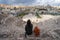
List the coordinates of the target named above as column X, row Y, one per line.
column 12, row 28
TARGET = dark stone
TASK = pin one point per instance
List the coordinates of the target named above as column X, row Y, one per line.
column 4, row 35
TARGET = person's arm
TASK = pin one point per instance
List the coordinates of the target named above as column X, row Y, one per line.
column 25, row 27
column 32, row 26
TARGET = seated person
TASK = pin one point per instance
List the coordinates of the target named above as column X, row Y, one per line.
column 36, row 31
column 28, row 28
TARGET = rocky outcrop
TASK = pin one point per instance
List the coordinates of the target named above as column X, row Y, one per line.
column 13, row 29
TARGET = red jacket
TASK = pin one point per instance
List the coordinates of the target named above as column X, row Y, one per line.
column 36, row 31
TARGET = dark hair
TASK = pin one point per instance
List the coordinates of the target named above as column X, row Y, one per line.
column 29, row 22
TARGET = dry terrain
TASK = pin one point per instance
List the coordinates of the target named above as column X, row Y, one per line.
column 12, row 28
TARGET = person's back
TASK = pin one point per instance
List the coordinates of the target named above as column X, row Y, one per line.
column 28, row 28
column 36, row 31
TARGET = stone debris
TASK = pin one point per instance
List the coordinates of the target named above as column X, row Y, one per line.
column 50, row 29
